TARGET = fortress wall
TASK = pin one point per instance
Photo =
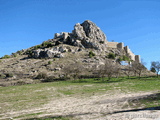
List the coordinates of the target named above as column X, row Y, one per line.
column 112, row 44
column 129, row 53
column 137, row 58
column 120, row 45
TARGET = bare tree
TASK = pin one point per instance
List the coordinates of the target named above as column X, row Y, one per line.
column 156, row 66
column 109, row 68
column 117, row 70
column 128, row 70
column 73, row 70
column 138, row 68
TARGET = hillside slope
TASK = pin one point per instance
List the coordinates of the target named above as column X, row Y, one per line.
column 85, row 46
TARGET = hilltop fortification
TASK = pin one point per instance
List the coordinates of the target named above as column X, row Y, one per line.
column 85, row 47
column 84, row 36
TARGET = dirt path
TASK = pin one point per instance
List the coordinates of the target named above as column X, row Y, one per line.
column 96, row 107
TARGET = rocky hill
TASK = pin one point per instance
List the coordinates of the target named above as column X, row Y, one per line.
column 85, row 46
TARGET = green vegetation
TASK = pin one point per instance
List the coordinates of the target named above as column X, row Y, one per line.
column 46, row 44
column 91, row 54
column 49, row 62
column 5, row 57
column 124, row 58
column 9, row 74
column 111, row 56
column 37, row 46
column 146, row 102
column 153, row 70
column 19, row 52
column 35, row 95
column 2, row 75
column 102, row 42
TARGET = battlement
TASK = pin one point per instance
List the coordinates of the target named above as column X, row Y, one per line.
column 126, row 49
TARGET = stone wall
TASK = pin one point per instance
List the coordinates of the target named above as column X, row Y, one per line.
column 130, row 54
column 112, row 44
column 126, row 49
column 137, row 58
column 120, row 45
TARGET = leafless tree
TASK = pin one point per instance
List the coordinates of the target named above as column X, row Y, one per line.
column 128, row 70
column 138, row 68
column 156, row 66
column 73, row 70
column 108, row 69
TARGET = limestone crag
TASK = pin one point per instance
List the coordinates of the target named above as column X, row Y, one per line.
column 48, row 53
column 85, row 35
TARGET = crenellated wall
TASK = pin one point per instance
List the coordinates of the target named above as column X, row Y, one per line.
column 129, row 53
column 112, row 44
column 127, row 50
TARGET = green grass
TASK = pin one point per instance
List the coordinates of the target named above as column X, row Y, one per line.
column 146, row 102
column 17, row 98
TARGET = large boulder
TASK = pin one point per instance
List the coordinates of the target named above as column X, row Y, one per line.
column 46, row 53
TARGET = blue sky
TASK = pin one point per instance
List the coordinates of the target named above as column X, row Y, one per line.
column 25, row 23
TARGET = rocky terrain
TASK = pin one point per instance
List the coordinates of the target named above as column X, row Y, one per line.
column 86, row 45
column 83, row 53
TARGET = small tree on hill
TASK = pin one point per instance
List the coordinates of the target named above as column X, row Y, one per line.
column 128, row 70
column 138, row 68
column 111, row 56
column 156, row 66
column 153, row 70
column 109, row 68
column 73, row 70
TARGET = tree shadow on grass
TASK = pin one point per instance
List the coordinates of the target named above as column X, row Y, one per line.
column 134, row 110
column 60, row 117
column 97, row 80
column 72, row 116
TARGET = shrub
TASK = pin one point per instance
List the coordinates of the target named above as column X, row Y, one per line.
column 153, row 70
column 2, row 76
column 5, row 57
column 9, row 74
column 120, row 59
column 41, row 75
column 102, row 42
column 49, row 79
column 49, row 62
column 111, row 56
column 91, row 54
column 20, row 83
column 37, row 46
column 46, row 44
column 19, row 52
column 30, row 53
column 125, row 58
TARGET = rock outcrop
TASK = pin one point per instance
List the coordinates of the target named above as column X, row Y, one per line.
column 85, row 35
column 48, row 53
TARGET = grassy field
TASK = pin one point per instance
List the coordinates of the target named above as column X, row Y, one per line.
column 17, row 98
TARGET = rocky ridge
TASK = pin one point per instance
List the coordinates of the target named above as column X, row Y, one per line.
column 85, row 35
column 85, row 46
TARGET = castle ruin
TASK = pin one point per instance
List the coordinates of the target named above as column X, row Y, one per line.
column 126, row 49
